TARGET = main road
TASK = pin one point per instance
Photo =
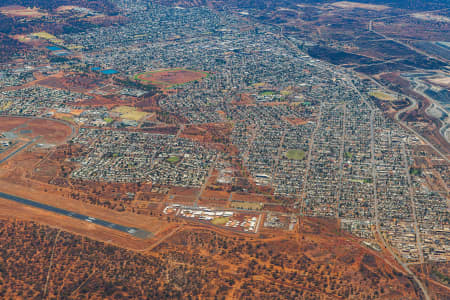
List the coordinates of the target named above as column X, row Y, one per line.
column 387, row 246
column 308, row 161
column 375, row 196
column 413, row 204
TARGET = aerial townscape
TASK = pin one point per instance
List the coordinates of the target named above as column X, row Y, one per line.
column 252, row 149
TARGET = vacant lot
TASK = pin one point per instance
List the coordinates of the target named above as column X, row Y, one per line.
column 20, row 11
column 295, row 154
column 247, row 205
column 130, row 113
column 170, row 77
column 50, row 131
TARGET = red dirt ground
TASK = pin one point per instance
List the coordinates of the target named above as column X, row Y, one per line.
column 20, row 11
column 69, row 81
column 54, row 132
column 296, row 121
column 58, row 197
column 167, row 78
column 9, row 123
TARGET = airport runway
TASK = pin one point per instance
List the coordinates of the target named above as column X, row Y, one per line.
column 130, row 230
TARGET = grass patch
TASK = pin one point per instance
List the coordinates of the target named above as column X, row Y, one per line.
column 259, row 84
column 124, row 109
column 296, row 154
column 220, row 221
column 173, row 159
column 135, row 115
column 361, row 181
column 267, row 93
column 286, row 92
column 357, row 180
column 382, row 96
column 6, row 105
column 130, row 113
column 44, row 35
column 415, row 171
column 67, row 119
column 108, row 120
column 47, row 36
column 348, row 155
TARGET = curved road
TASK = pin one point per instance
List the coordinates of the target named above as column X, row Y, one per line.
column 72, row 126
column 72, row 134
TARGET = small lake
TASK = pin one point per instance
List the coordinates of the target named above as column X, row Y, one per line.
column 109, row 71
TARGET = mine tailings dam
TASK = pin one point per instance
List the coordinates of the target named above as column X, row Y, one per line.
column 139, row 233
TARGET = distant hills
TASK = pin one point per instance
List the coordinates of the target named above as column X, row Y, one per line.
column 265, row 4
column 98, row 5
column 16, row 17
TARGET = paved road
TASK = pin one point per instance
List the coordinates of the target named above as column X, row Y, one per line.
column 341, row 161
column 410, row 107
column 404, row 124
column 73, row 128
column 377, row 220
column 413, row 205
column 202, row 189
column 371, row 29
column 277, row 158
column 18, row 150
column 374, row 170
column 130, row 230
column 413, row 105
column 74, row 131
column 308, row 161
column 416, row 279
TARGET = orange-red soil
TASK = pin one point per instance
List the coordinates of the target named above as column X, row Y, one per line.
column 168, row 78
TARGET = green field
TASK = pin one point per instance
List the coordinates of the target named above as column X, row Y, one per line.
column 415, row 171
column 365, row 180
column 382, row 96
column 220, row 221
column 296, row 154
column 173, row 159
column 357, row 180
column 267, row 93
column 67, row 119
